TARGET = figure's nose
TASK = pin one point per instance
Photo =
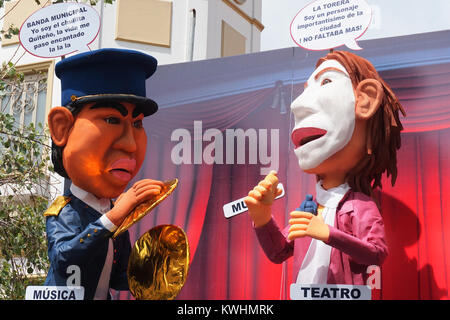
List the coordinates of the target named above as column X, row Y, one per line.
column 126, row 141
column 303, row 105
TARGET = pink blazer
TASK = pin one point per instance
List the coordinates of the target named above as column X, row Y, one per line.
column 357, row 240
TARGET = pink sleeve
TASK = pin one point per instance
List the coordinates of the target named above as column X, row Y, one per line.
column 365, row 241
column 274, row 243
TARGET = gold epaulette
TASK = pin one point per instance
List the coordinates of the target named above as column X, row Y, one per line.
column 57, row 205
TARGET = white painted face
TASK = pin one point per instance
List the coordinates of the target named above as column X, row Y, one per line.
column 324, row 115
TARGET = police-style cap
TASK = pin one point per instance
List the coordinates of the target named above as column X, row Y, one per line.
column 107, row 75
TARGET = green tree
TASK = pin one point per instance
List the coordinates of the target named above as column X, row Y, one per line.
column 24, row 158
column 25, row 190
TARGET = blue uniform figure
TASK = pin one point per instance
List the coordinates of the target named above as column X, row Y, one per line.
column 76, row 236
column 98, row 142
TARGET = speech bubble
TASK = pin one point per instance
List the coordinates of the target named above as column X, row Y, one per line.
column 59, row 29
column 327, row 24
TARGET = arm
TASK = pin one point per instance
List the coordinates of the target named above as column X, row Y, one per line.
column 69, row 244
column 259, row 202
column 364, row 242
column 274, row 243
column 366, row 245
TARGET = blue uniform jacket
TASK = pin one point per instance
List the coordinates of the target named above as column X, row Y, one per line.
column 76, row 236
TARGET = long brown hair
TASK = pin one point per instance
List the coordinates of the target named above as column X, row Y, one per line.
column 383, row 129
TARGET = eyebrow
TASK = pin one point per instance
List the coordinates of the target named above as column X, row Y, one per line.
column 117, row 106
column 326, row 70
column 322, row 72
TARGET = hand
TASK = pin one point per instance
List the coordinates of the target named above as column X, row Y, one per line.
column 141, row 191
column 307, row 224
column 260, row 199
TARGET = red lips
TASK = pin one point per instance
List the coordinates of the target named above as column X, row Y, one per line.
column 123, row 169
column 302, row 136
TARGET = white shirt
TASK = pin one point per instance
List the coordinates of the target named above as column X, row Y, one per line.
column 314, row 269
column 102, row 206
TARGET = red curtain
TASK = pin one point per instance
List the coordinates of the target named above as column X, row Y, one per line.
column 416, row 209
column 226, row 259
column 415, row 212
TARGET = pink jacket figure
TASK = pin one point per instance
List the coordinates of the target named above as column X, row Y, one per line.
column 346, row 133
column 357, row 240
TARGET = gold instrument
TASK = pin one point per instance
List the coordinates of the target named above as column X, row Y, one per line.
column 159, row 261
column 141, row 210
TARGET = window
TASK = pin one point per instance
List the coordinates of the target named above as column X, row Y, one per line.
column 29, row 101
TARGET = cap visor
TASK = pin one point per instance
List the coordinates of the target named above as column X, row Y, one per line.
column 147, row 105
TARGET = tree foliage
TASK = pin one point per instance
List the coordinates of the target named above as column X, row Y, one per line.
column 24, row 197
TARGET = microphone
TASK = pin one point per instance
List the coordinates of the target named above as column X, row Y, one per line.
column 308, row 205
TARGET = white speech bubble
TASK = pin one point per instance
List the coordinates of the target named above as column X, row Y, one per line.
column 60, row 29
column 327, row 24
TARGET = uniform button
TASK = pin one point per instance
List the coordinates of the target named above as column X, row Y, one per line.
column 95, row 230
column 88, row 234
column 81, row 240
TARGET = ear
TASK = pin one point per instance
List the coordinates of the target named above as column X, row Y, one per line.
column 60, row 121
column 369, row 94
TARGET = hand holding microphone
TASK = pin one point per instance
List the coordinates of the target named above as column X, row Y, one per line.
column 307, row 220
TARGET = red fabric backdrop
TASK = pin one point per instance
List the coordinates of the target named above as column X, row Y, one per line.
column 226, row 260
